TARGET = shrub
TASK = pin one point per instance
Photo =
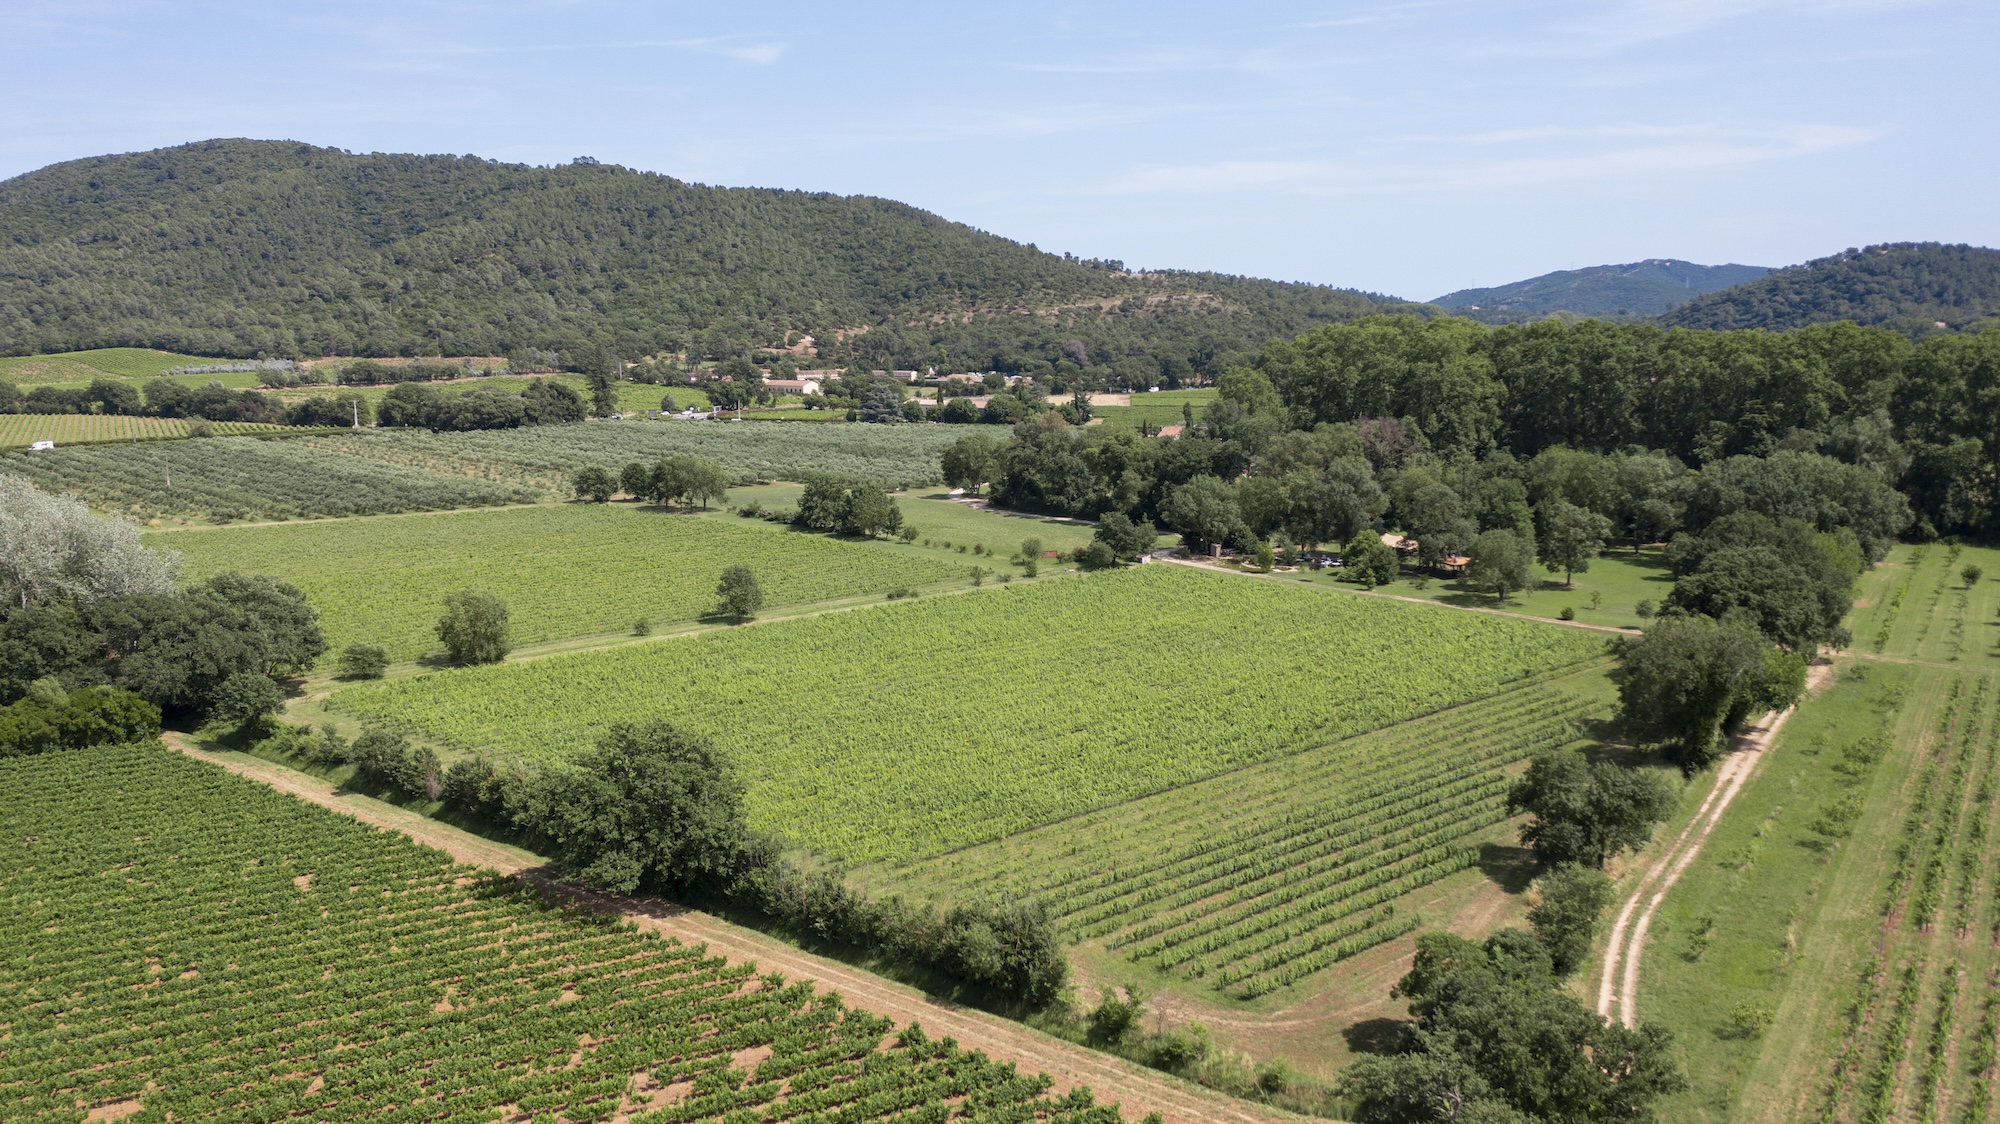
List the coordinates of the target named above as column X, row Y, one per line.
column 1096, row 556
column 363, row 661
column 50, row 718
column 1567, row 613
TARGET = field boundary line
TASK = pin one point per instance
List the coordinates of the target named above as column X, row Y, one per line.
column 1666, row 870
column 1135, row 1089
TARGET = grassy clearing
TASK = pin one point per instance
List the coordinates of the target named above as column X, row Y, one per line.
column 564, row 571
column 945, row 525
column 1155, row 409
column 1620, row 580
column 914, row 729
column 18, row 431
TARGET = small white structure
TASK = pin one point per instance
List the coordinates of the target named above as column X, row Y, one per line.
column 41, row 445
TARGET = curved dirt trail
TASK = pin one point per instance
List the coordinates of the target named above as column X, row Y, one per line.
column 1137, row 1090
column 1618, row 983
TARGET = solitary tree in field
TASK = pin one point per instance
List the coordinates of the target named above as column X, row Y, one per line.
column 474, row 627
column 1571, row 537
column 739, row 594
column 1971, row 573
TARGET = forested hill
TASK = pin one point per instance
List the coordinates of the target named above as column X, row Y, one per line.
column 242, row 247
column 1635, row 289
column 1909, row 286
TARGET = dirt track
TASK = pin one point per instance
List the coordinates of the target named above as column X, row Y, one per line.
column 1137, row 1090
column 1628, row 940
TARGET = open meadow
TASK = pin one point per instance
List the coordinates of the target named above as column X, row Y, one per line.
column 1015, row 706
column 184, row 944
column 564, row 570
column 1835, row 953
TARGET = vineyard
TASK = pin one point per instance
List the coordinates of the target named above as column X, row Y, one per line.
column 1256, row 879
column 922, row 727
column 1834, row 955
column 543, row 457
column 21, row 430
column 181, row 944
column 242, row 478
column 569, row 570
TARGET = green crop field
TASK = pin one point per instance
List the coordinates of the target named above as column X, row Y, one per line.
column 912, row 729
column 20, row 430
column 182, row 944
column 544, row 457
column 1258, row 878
column 564, row 571
column 245, row 478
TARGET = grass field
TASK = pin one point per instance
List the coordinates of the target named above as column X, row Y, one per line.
column 1255, row 880
column 184, row 944
column 21, row 430
column 947, row 524
column 912, row 729
column 1620, row 580
column 564, row 571
column 1155, row 409
column 1835, row 954
column 231, row 478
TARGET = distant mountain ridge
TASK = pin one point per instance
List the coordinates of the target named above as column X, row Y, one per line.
column 1916, row 287
column 1629, row 291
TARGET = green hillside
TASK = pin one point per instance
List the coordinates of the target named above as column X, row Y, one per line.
column 1635, row 289
column 244, row 248
column 1910, row 286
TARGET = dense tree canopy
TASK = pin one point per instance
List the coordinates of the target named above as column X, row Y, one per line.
column 242, row 247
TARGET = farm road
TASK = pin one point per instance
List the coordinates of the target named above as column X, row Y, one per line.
column 1137, row 1090
column 1618, row 993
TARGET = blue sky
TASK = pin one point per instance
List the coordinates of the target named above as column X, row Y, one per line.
column 1411, row 148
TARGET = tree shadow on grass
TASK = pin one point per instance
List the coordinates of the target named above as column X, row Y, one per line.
column 1510, row 868
column 1382, row 1037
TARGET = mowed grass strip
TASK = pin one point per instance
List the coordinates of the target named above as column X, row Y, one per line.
column 913, row 729
column 564, row 571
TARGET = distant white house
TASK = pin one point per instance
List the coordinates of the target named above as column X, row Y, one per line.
column 793, row 386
